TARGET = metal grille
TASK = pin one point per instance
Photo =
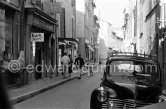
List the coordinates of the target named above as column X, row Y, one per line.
column 104, row 105
column 127, row 104
column 117, row 102
column 130, row 104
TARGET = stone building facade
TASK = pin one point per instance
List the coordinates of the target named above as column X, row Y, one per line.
column 150, row 33
column 86, row 30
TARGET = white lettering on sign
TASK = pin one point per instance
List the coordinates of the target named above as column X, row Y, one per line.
column 37, row 37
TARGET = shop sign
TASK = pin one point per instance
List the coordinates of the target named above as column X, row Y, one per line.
column 37, row 37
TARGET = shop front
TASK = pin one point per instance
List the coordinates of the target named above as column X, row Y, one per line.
column 9, row 38
column 40, row 43
column 68, row 45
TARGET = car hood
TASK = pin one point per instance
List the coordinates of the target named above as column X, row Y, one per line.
column 130, row 84
column 130, row 88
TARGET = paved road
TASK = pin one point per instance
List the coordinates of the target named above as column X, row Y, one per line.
column 72, row 95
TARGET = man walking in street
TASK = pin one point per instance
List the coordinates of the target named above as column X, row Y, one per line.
column 65, row 61
column 79, row 62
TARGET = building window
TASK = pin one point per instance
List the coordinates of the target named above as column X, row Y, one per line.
column 73, row 3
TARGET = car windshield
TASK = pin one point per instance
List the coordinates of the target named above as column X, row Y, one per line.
column 142, row 71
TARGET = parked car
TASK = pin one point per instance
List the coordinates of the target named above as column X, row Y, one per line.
column 129, row 81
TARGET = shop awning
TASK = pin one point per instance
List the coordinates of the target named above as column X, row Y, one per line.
column 90, row 48
column 68, row 40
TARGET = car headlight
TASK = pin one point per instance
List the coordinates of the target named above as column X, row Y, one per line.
column 162, row 98
column 102, row 96
column 112, row 93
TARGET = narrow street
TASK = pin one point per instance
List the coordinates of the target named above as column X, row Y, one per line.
column 71, row 95
column 42, row 42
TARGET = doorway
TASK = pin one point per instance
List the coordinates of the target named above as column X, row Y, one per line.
column 38, row 60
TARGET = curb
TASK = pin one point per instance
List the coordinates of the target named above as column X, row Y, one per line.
column 34, row 93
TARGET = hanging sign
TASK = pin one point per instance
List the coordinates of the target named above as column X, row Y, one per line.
column 37, row 37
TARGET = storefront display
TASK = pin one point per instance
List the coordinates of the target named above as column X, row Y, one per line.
column 5, row 35
column 2, row 29
column 7, row 44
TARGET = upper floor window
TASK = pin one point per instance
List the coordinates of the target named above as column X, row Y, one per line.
column 73, row 2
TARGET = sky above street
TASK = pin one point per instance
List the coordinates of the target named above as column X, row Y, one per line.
column 112, row 11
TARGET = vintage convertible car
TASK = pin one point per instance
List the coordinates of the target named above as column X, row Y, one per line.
column 129, row 81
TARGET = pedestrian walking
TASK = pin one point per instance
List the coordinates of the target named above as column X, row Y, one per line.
column 91, row 69
column 70, row 65
column 79, row 62
column 65, row 62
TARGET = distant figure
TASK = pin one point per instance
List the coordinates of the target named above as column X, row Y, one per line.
column 65, row 61
column 100, row 62
column 79, row 62
column 70, row 65
column 94, row 60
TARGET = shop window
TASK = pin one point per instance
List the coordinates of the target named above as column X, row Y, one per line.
column 2, row 36
column 5, row 36
column 2, row 30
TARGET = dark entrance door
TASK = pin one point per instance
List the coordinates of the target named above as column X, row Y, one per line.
column 38, row 60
